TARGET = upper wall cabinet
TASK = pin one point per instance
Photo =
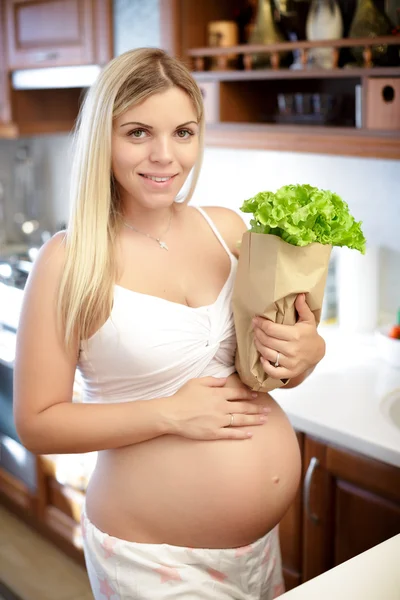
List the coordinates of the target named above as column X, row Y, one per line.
column 45, row 33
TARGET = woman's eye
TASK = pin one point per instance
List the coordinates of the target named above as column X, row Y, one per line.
column 184, row 134
column 137, row 133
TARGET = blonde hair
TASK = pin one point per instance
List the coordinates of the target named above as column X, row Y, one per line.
column 86, row 288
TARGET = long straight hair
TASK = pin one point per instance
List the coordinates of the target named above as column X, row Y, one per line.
column 86, row 288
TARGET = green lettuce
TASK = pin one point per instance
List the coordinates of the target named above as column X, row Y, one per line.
column 302, row 214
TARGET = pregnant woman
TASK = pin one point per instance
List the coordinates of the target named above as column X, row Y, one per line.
column 194, row 471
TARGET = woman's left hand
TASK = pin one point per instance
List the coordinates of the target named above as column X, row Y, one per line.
column 296, row 348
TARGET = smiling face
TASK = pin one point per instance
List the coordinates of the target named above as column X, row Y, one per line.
column 155, row 144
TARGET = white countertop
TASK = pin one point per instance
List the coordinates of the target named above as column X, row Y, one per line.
column 372, row 575
column 343, row 401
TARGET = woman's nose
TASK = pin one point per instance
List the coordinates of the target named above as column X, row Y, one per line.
column 161, row 150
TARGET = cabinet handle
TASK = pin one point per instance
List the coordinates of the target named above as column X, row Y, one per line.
column 314, row 463
column 44, row 56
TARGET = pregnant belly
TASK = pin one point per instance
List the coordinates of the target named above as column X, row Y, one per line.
column 183, row 492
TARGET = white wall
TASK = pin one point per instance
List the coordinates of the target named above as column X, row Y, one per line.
column 371, row 188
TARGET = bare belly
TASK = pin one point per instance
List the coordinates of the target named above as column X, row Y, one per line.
column 211, row 494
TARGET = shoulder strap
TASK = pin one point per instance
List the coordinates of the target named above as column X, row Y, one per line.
column 214, row 228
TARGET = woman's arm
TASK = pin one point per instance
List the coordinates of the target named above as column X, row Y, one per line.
column 46, row 419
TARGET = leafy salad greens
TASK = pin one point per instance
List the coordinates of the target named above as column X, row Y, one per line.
column 302, row 215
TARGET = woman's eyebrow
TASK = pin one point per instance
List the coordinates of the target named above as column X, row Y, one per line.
column 150, row 126
column 137, row 123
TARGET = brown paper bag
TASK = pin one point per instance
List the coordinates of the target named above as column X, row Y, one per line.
column 270, row 275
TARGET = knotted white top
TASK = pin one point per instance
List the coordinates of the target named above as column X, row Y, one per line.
column 150, row 347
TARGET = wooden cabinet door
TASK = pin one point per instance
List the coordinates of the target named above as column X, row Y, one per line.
column 351, row 503
column 43, row 33
column 290, row 534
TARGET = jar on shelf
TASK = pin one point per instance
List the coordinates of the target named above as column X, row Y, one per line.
column 222, row 34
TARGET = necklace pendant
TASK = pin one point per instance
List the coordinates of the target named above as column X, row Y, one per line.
column 163, row 245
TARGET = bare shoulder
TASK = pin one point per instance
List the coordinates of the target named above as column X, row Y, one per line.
column 230, row 225
column 54, row 248
column 49, row 262
column 41, row 289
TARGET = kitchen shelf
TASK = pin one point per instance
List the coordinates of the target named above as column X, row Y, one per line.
column 42, row 111
column 302, row 47
column 342, row 141
column 388, row 40
column 241, row 102
column 260, row 74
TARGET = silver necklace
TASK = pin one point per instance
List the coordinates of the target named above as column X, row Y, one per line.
column 162, row 244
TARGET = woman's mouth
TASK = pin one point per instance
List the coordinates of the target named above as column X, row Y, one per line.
column 157, row 181
column 158, row 178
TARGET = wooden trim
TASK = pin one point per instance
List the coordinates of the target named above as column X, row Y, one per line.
column 318, row 140
column 291, row 534
column 257, row 74
column 317, row 555
column 66, row 499
column 42, row 489
column 45, row 127
column 16, row 491
column 300, row 45
column 170, row 24
column 5, row 107
column 375, row 476
column 103, row 31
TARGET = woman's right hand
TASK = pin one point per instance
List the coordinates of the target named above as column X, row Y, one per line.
column 206, row 409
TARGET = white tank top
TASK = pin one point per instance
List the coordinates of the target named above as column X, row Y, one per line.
column 150, row 347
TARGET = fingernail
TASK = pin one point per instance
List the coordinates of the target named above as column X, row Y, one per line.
column 266, row 409
column 254, row 394
column 263, row 419
column 249, row 434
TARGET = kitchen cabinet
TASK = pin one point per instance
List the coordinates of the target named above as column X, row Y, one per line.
column 247, row 109
column 50, row 33
column 351, row 503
